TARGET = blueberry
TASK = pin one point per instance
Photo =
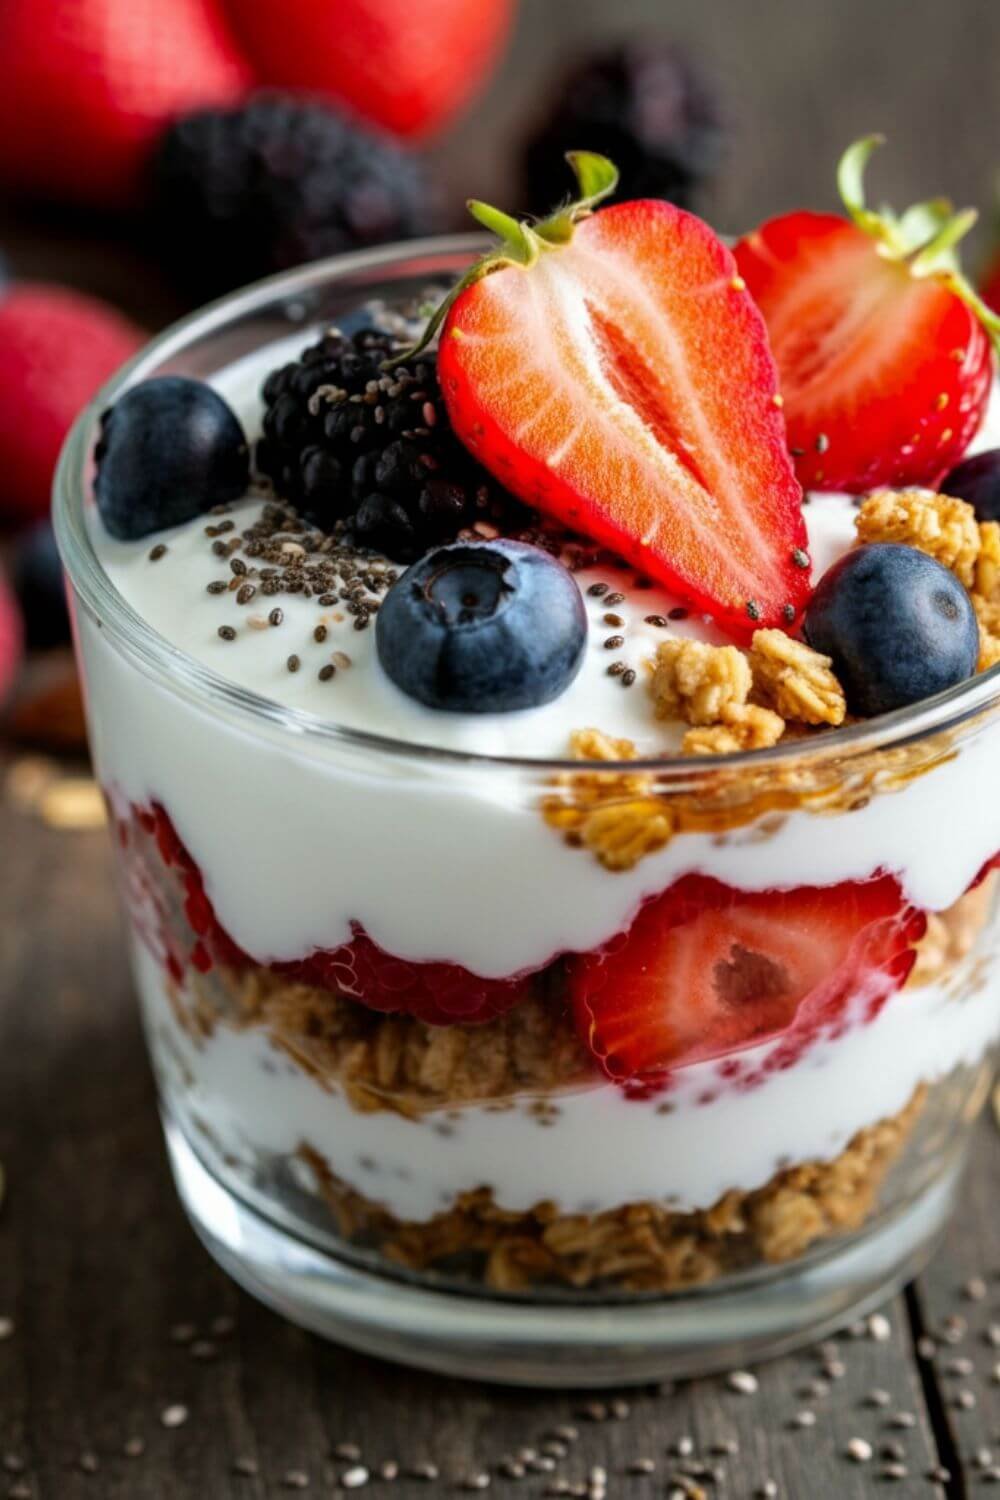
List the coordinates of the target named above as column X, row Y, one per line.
column 483, row 627
column 38, row 581
column 978, row 481
column 898, row 626
column 169, row 450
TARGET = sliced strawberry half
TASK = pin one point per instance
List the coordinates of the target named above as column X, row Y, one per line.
column 705, row 970
column 882, row 346
column 609, row 368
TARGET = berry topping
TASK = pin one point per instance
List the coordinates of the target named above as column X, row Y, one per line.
column 645, row 105
column 406, row 68
column 609, row 368
column 483, row 628
column 348, row 441
column 169, row 450
column 977, row 480
column 276, row 182
column 705, row 970
column 882, row 346
column 40, row 587
column 57, row 348
column 897, row 625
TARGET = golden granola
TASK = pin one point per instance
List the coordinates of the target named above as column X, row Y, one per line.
column 612, row 815
column 987, row 575
column 745, row 727
column 795, row 680
column 941, row 526
column 386, row 1062
column 988, row 615
column 639, row 1247
column 695, row 681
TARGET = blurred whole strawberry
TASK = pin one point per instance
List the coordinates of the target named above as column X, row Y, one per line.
column 87, row 85
column 57, row 348
column 405, row 65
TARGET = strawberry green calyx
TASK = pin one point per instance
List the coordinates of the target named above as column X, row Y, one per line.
column 522, row 242
column 924, row 238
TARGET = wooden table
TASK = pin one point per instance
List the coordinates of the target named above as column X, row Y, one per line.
column 113, row 1321
column 119, row 1316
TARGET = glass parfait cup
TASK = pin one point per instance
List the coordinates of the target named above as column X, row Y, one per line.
column 495, row 1200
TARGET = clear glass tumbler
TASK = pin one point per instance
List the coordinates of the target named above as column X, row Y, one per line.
column 499, row 1200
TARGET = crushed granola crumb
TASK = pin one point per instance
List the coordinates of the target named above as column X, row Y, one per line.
column 795, row 680
column 695, row 681
column 943, row 527
column 987, row 576
column 746, row 727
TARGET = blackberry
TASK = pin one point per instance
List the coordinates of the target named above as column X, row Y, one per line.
column 643, row 104
column 357, row 448
column 238, row 193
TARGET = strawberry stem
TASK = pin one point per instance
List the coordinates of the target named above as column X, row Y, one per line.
column 923, row 238
column 521, row 242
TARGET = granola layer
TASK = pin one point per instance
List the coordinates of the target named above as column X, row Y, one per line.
column 640, row 1247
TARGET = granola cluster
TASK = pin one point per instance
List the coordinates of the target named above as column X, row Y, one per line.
column 945, row 528
column 738, row 701
column 614, row 816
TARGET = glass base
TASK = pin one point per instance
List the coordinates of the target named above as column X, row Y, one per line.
column 537, row 1344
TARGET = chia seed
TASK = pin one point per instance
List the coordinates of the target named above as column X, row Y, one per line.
column 678, row 613
column 660, row 621
column 598, row 590
column 325, row 673
column 614, row 642
column 275, row 617
column 293, row 663
column 160, row 550
column 227, row 633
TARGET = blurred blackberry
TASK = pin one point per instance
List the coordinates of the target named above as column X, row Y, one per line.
column 239, row 193
column 644, row 105
column 372, row 451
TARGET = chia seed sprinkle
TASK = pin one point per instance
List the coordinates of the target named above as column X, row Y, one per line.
column 678, row 613
column 614, row 642
column 216, row 587
column 293, row 663
column 275, row 617
column 325, row 673
column 598, row 590
column 245, row 593
column 742, row 1382
column 859, row 1451
column 227, row 633
column 616, row 669
column 660, row 621
column 612, row 619
column 319, row 634
column 628, row 677
column 612, row 599
column 160, row 550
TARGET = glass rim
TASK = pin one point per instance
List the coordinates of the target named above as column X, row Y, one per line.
column 187, row 677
